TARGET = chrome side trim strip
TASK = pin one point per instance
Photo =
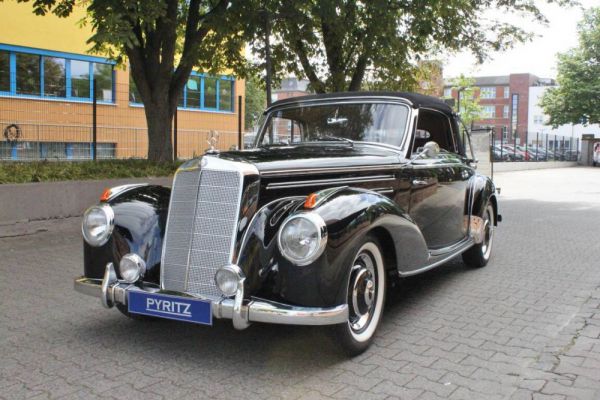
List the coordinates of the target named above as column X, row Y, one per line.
column 383, row 190
column 322, row 182
column 307, row 171
column 440, row 165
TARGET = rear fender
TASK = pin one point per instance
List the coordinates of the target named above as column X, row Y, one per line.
column 481, row 191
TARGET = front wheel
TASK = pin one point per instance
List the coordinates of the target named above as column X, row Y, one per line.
column 479, row 255
column 365, row 297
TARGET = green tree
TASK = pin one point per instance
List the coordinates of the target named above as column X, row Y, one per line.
column 577, row 97
column 256, row 100
column 470, row 110
column 339, row 44
column 162, row 40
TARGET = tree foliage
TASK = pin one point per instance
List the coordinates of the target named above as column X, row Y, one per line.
column 162, row 40
column 256, row 101
column 339, row 44
column 470, row 110
column 577, row 98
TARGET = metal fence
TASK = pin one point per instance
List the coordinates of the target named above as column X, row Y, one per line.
column 536, row 146
column 107, row 126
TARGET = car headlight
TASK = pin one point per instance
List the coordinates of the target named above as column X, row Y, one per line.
column 302, row 238
column 98, row 224
column 132, row 268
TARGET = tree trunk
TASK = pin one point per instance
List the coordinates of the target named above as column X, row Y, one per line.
column 159, row 117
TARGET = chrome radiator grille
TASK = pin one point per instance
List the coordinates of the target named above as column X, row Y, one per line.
column 201, row 227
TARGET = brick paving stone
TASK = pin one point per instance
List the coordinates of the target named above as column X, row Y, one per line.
column 525, row 327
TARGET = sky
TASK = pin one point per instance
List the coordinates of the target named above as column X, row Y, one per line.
column 537, row 56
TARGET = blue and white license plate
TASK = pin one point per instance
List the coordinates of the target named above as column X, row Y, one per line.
column 170, row 307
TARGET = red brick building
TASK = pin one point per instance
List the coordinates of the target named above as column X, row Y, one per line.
column 505, row 102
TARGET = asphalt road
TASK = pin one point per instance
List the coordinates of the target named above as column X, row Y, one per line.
column 525, row 327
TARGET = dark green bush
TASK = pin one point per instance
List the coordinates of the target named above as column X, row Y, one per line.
column 48, row 171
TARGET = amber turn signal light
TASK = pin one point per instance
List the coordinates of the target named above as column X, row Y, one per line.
column 105, row 195
column 311, row 200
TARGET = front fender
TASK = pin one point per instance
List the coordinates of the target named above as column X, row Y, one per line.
column 140, row 220
column 349, row 214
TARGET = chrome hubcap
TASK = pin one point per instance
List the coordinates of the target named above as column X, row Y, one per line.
column 363, row 291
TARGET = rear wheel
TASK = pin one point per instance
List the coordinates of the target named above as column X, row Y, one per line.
column 365, row 297
column 479, row 255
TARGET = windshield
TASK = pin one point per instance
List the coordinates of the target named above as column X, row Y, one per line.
column 346, row 122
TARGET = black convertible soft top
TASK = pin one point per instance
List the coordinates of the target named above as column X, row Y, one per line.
column 417, row 100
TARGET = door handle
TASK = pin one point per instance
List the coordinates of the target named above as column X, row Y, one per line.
column 419, row 182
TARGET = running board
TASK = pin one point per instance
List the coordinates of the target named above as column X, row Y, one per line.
column 438, row 257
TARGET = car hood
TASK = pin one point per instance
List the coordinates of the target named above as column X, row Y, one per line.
column 296, row 158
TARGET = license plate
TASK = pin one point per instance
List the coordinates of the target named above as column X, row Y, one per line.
column 171, row 307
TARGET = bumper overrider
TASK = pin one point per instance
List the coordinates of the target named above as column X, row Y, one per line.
column 241, row 311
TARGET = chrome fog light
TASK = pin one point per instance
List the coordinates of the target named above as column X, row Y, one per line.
column 132, row 268
column 98, row 224
column 228, row 278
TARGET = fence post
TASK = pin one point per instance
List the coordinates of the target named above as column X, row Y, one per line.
column 526, row 146
column 546, row 147
column 515, row 133
column 94, row 121
column 175, row 135
column 240, row 138
column 537, row 145
column 501, row 145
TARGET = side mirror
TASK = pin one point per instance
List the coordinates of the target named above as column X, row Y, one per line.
column 430, row 150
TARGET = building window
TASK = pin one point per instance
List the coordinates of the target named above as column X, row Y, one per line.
column 28, row 74
column 199, row 93
column 55, row 77
column 80, row 79
column 515, row 111
column 226, row 95
column 487, row 92
column 103, row 76
column 50, row 74
column 210, row 93
column 489, row 112
column 448, row 92
column 538, row 119
column 506, row 92
column 505, row 111
column 4, row 71
column 504, row 133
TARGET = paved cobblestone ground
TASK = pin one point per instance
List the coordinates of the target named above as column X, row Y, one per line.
column 525, row 327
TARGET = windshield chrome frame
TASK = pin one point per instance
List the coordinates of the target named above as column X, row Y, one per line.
column 402, row 148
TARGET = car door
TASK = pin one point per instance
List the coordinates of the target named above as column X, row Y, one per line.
column 439, row 183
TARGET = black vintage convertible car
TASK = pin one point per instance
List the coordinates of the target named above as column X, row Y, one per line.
column 339, row 194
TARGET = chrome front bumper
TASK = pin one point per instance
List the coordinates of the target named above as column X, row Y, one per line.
column 242, row 312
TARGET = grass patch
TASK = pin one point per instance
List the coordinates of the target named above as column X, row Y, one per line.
column 51, row 171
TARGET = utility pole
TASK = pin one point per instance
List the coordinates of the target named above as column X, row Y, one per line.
column 268, row 55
